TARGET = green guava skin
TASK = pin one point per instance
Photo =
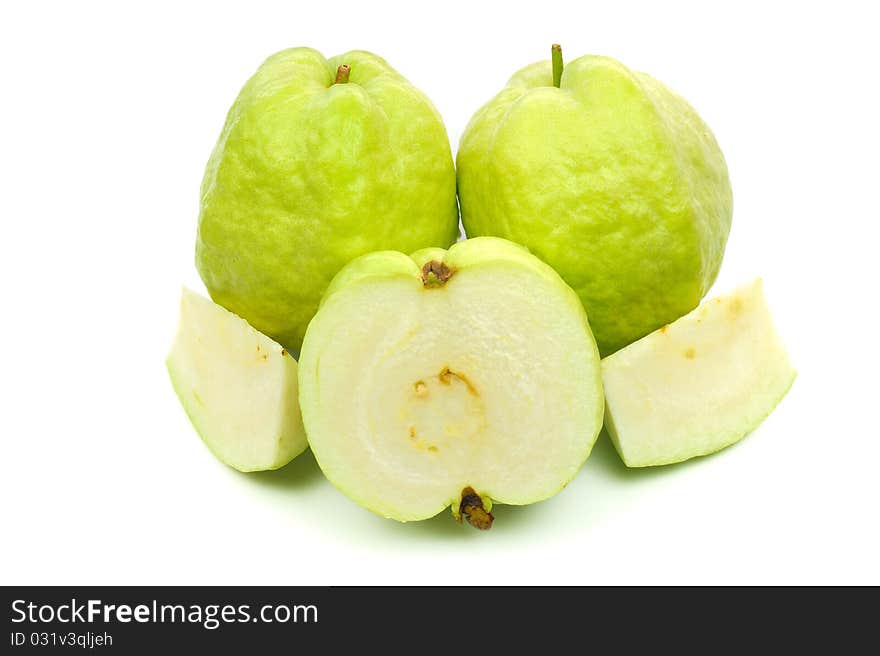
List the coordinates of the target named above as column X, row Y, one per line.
column 612, row 179
column 308, row 174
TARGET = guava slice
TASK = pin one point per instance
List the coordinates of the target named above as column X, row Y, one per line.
column 699, row 384
column 238, row 387
column 456, row 377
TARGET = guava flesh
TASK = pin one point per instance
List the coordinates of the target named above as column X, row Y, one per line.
column 699, row 384
column 238, row 387
column 453, row 378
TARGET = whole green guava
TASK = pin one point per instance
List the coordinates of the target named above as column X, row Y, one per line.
column 609, row 177
column 319, row 161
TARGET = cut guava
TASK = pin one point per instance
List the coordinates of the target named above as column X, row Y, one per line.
column 456, row 377
column 699, row 384
column 238, row 387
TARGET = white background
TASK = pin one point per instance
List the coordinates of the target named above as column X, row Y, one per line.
column 108, row 115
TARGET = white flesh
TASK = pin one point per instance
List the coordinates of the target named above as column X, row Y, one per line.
column 238, row 387
column 699, row 384
column 411, row 394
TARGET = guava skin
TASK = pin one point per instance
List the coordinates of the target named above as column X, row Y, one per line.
column 612, row 179
column 308, row 174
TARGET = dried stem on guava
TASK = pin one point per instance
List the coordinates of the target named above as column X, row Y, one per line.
column 342, row 74
column 472, row 509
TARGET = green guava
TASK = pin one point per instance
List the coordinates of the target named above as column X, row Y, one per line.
column 238, row 387
column 609, row 177
column 699, row 384
column 319, row 161
column 450, row 378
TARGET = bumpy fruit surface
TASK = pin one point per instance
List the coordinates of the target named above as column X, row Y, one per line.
column 319, row 161
column 609, row 177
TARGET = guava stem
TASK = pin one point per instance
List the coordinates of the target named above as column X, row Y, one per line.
column 342, row 74
column 556, row 56
column 435, row 274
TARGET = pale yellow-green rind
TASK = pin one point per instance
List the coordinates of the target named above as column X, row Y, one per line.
column 468, row 254
column 699, row 384
column 612, row 179
column 307, row 175
column 200, row 375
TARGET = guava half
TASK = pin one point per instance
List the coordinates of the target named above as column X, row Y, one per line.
column 699, row 384
column 238, row 387
column 450, row 378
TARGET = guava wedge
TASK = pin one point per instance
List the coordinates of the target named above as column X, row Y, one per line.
column 450, row 378
column 699, row 384
column 238, row 387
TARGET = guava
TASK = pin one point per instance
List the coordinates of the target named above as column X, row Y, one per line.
column 608, row 176
column 450, row 378
column 699, row 384
column 319, row 161
column 238, row 387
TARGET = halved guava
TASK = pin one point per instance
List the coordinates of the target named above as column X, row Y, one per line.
column 456, row 377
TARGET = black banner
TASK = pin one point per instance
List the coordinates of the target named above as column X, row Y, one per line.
column 155, row 619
